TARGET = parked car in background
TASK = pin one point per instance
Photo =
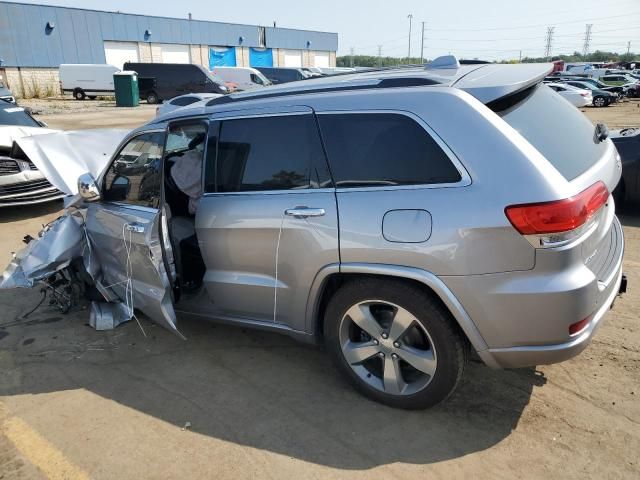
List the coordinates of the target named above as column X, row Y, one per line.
column 160, row 81
column 601, row 98
column 182, row 101
column 627, row 141
column 507, row 243
column 283, row 75
column 87, row 80
column 631, row 90
column 21, row 183
column 617, row 90
column 245, row 78
column 5, row 93
column 617, row 79
column 311, row 72
column 578, row 97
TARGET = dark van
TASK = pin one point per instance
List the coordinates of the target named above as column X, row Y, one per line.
column 162, row 81
column 282, row 75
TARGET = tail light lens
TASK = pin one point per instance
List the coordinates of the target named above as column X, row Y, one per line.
column 559, row 221
column 578, row 327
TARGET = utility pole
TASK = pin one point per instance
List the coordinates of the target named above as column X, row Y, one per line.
column 520, row 57
column 351, row 51
column 379, row 55
column 422, row 45
column 410, row 17
column 549, row 42
column 628, row 47
column 587, row 39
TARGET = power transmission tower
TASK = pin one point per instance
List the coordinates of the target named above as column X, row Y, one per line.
column 422, row 45
column 549, row 41
column 628, row 47
column 351, row 52
column 410, row 17
column 587, row 40
column 379, row 55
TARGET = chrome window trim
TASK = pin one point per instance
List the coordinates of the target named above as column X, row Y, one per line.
column 465, row 178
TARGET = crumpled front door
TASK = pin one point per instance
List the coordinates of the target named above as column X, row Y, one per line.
column 126, row 241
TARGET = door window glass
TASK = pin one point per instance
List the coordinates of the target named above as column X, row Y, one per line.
column 269, row 153
column 134, row 176
column 371, row 149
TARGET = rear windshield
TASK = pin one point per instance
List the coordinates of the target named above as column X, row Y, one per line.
column 557, row 129
column 12, row 115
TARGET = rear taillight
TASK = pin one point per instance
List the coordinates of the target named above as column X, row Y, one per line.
column 584, row 94
column 559, row 221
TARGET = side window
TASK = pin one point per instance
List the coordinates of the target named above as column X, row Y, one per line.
column 134, row 175
column 269, row 153
column 370, row 149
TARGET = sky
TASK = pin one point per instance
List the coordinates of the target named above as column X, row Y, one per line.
column 487, row 29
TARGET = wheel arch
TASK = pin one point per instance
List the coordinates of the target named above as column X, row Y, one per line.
column 329, row 279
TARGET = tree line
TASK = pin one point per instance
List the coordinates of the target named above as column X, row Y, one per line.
column 374, row 61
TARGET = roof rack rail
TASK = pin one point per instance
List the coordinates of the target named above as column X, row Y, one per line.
column 383, row 83
column 445, row 61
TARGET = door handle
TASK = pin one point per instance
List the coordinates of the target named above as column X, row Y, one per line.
column 304, row 212
column 134, row 227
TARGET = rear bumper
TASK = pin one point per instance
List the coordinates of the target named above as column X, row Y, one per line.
column 524, row 317
column 526, row 356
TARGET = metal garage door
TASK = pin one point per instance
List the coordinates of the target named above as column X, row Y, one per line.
column 172, row 53
column 321, row 59
column 117, row 53
column 292, row 58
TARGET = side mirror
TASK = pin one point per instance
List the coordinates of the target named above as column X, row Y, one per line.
column 87, row 188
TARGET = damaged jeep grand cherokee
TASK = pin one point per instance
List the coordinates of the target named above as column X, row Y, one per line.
column 402, row 217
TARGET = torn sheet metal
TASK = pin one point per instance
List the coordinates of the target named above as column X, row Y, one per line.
column 63, row 156
column 58, row 244
column 107, row 316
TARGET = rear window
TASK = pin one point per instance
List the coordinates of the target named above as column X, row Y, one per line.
column 557, row 129
column 371, row 149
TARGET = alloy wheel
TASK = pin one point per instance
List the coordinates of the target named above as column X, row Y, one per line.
column 387, row 347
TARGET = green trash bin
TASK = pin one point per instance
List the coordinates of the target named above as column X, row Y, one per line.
column 125, row 84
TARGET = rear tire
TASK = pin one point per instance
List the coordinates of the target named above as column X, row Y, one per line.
column 600, row 102
column 79, row 94
column 152, row 98
column 412, row 357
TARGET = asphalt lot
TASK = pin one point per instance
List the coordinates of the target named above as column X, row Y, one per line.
column 234, row 403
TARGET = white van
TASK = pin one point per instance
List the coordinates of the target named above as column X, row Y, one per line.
column 245, row 78
column 87, row 80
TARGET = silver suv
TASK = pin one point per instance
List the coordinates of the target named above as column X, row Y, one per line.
column 399, row 216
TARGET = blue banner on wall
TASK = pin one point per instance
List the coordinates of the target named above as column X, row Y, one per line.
column 222, row 57
column 260, row 57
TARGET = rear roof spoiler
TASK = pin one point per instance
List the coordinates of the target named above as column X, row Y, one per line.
column 493, row 81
